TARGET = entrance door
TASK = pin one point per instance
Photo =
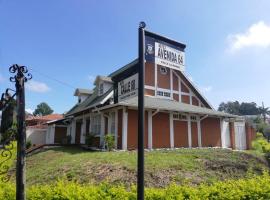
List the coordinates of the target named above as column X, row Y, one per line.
column 78, row 132
column 240, row 135
column 180, row 133
column 226, row 134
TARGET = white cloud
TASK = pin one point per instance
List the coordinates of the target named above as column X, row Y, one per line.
column 257, row 35
column 36, row 86
column 29, row 110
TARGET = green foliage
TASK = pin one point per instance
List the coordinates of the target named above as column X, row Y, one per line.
column 89, row 139
column 8, row 118
column 28, row 144
column 234, row 107
column 260, row 144
column 257, row 187
column 9, row 134
column 109, row 141
column 10, row 162
column 43, row 109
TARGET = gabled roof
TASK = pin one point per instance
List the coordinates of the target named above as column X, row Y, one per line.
column 103, row 78
column 169, row 105
column 192, row 85
column 79, row 91
column 124, row 68
column 91, row 101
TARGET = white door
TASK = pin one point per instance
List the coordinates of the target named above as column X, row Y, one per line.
column 226, row 134
column 240, row 135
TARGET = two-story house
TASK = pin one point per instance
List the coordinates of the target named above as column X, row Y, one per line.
column 176, row 113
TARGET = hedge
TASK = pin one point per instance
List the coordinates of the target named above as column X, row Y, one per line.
column 257, row 187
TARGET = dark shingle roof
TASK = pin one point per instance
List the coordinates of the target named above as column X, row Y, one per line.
column 90, row 101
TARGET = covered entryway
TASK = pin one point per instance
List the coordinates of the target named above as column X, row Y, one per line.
column 226, row 134
column 240, row 136
column 78, row 132
column 180, row 133
column 60, row 134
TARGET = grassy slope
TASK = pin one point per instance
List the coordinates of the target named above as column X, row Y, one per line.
column 162, row 167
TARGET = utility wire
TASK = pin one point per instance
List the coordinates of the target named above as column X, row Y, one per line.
column 52, row 78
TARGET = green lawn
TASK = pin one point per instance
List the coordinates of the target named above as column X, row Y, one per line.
column 190, row 166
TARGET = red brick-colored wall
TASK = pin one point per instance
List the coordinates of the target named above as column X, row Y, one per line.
column 175, row 83
column 132, row 134
column 232, row 134
column 194, row 134
column 161, row 130
column 211, row 132
column 184, row 88
column 250, row 135
column 180, row 133
column 149, row 74
column 195, row 101
column 163, row 80
column 185, row 99
column 149, row 92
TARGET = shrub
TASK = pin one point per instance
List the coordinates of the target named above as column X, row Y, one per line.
column 261, row 144
column 109, row 141
column 28, row 144
column 257, row 187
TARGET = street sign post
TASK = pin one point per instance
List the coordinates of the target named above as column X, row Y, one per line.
column 140, row 175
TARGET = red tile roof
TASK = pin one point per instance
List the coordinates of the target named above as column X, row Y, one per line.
column 45, row 118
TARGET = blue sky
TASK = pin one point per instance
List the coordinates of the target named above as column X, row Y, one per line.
column 227, row 54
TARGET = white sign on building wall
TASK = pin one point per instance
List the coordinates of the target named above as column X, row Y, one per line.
column 165, row 54
column 128, row 88
column 168, row 56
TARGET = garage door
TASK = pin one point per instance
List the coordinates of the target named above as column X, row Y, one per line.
column 240, row 136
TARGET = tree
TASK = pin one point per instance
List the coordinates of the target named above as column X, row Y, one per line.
column 234, row 107
column 8, row 119
column 264, row 112
column 43, row 109
column 230, row 107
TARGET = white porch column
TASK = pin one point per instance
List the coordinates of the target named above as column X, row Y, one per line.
column 83, row 131
column 116, row 128
column 124, row 128
column 199, row 132
column 171, row 130
column 189, row 132
column 109, row 123
column 150, row 145
column 222, row 133
column 73, row 131
column 102, row 130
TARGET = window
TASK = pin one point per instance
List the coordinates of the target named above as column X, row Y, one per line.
column 178, row 116
column 193, row 118
column 96, row 124
column 163, row 94
column 163, row 70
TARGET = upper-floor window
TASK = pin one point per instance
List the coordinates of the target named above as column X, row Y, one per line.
column 163, row 94
column 178, row 116
column 163, row 70
column 101, row 88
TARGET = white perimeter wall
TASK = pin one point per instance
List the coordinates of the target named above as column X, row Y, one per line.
column 36, row 136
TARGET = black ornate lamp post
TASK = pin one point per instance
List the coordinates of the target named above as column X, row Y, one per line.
column 21, row 76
